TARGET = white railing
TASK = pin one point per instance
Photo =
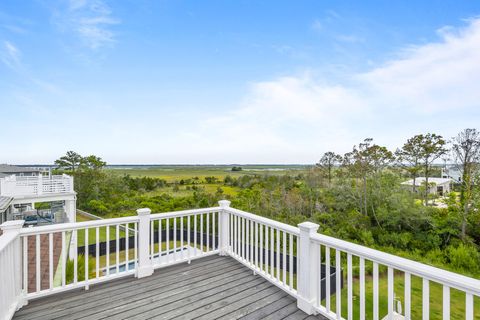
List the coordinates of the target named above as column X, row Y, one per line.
column 265, row 246
column 321, row 272
column 25, row 186
column 88, row 261
column 10, row 264
column 394, row 267
column 181, row 236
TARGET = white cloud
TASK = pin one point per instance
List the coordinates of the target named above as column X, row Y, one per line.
column 10, row 55
column 433, row 77
column 300, row 116
column 317, row 25
column 349, row 38
column 90, row 20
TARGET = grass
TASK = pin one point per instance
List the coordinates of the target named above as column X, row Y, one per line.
column 176, row 173
column 183, row 191
column 112, row 257
column 102, row 233
column 131, row 254
column 457, row 298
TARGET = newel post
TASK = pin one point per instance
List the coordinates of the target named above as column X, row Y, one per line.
column 13, row 228
column 145, row 266
column 307, row 271
column 224, row 227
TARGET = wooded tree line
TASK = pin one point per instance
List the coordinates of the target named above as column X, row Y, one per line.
column 416, row 157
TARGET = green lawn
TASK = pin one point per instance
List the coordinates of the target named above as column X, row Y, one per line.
column 457, row 298
column 131, row 253
column 102, row 232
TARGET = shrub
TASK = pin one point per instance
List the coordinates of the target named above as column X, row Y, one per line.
column 464, row 257
column 70, row 269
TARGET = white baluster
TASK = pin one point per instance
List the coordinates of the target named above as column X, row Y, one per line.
column 446, row 303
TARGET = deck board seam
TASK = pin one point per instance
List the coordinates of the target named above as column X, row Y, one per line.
column 124, row 295
column 162, row 304
column 93, row 293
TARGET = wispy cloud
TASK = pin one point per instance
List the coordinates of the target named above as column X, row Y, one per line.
column 424, row 88
column 91, row 21
column 15, row 28
column 317, row 25
column 10, row 56
column 350, row 38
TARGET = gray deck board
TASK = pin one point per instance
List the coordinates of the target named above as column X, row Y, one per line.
column 169, row 275
column 209, row 288
column 270, row 308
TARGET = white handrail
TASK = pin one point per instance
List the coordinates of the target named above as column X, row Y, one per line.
column 15, row 186
column 172, row 214
column 76, row 225
column 451, row 279
column 269, row 222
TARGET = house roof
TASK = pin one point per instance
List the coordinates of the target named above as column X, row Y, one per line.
column 4, row 203
column 421, row 180
column 7, row 168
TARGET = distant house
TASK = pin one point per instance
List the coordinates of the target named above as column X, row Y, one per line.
column 23, row 187
column 440, row 186
column 452, row 172
column 8, row 170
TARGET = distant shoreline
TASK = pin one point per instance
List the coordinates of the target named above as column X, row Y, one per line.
column 185, row 165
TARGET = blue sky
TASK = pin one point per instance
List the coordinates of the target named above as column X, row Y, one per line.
column 232, row 81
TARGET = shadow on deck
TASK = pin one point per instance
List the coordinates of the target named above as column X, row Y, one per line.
column 209, row 288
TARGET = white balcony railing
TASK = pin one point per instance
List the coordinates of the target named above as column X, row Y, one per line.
column 31, row 186
column 321, row 272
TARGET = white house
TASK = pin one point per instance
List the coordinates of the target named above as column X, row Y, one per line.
column 440, row 186
column 452, row 172
column 21, row 188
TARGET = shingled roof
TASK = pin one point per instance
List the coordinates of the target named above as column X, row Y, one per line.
column 4, row 203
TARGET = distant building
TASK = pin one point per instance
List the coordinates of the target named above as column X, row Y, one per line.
column 452, row 172
column 8, row 170
column 23, row 187
column 5, row 209
column 440, row 186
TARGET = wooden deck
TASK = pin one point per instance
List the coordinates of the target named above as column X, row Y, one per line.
column 209, row 288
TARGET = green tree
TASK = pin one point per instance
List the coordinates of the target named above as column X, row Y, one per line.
column 409, row 157
column 365, row 160
column 69, row 162
column 466, row 153
column 432, row 147
column 327, row 163
column 92, row 162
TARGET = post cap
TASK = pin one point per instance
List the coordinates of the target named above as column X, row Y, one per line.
column 144, row 211
column 224, row 203
column 308, row 227
column 12, row 225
